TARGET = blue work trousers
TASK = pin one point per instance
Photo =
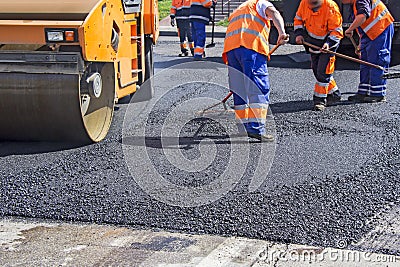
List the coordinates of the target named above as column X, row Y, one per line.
column 249, row 82
column 378, row 52
column 199, row 38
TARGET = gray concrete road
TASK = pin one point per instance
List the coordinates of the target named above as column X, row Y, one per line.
column 330, row 180
column 28, row 243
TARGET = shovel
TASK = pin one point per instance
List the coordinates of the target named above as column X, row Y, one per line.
column 386, row 74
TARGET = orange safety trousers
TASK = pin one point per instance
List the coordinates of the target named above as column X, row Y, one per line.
column 323, row 66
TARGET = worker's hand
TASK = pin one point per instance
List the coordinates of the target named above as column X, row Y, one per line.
column 325, row 47
column 214, row 3
column 172, row 22
column 349, row 33
column 299, row 39
column 358, row 51
column 283, row 39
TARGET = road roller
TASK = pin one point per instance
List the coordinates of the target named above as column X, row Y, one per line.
column 64, row 64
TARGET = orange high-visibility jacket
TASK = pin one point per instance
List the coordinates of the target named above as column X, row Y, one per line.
column 180, row 9
column 200, row 11
column 248, row 29
column 204, row 3
column 326, row 22
column 378, row 21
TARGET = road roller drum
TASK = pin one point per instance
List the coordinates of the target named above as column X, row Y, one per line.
column 64, row 64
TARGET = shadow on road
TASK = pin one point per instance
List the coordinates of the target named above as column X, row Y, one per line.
column 177, row 61
column 291, row 106
column 296, row 60
column 185, row 142
column 304, row 105
column 29, row 148
column 277, row 61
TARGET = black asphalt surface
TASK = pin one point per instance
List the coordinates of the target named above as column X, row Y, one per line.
column 332, row 171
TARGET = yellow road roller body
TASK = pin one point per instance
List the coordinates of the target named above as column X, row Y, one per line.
column 63, row 65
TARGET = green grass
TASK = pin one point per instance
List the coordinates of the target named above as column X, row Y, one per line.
column 224, row 23
column 164, row 7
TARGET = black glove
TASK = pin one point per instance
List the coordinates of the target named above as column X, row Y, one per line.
column 172, row 21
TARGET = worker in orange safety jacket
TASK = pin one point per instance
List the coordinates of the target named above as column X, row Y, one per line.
column 200, row 16
column 319, row 22
column 180, row 12
column 374, row 24
column 246, row 50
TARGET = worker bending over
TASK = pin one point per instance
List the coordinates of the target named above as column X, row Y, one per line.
column 180, row 11
column 245, row 51
column 319, row 22
column 374, row 24
column 200, row 16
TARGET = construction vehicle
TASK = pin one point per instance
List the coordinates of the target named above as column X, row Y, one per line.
column 63, row 65
column 288, row 10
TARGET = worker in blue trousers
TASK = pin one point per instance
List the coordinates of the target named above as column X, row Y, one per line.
column 374, row 24
column 246, row 51
column 200, row 16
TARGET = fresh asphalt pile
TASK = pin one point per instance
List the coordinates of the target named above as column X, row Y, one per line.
column 332, row 172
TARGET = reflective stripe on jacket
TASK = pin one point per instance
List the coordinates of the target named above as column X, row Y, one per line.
column 200, row 10
column 248, row 29
column 180, row 9
column 322, row 24
column 378, row 21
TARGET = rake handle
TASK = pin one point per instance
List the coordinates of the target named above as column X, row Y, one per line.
column 345, row 57
column 353, row 42
column 273, row 49
column 227, row 97
column 356, row 48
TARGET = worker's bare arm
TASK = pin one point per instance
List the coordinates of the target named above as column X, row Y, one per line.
column 279, row 23
column 358, row 21
column 276, row 18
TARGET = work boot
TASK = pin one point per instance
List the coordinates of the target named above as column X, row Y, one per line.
column 375, row 99
column 357, row 98
column 184, row 53
column 319, row 107
column 319, row 103
column 192, row 51
column 333, row 98
column 261, row 137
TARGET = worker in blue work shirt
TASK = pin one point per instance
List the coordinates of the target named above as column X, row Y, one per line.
column 200, row 16
column 374, row 24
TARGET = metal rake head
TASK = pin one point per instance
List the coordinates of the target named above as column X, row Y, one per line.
column 394, row 75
